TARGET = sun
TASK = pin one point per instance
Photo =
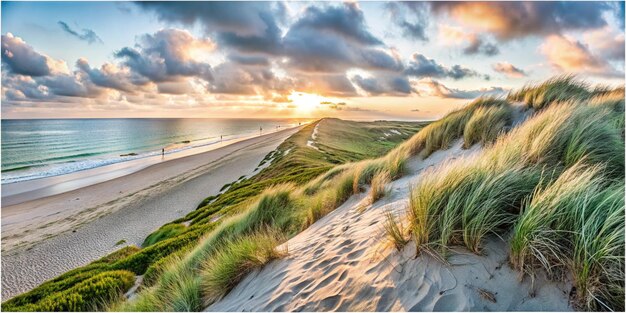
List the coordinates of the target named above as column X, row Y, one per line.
column 305, row 102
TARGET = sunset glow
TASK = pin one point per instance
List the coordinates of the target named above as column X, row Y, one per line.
column 283, row 59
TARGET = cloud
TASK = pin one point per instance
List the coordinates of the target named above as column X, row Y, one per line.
column 401, row 12
column 167, row 55
column 383, row 85
column 346, row 21
column 420, row 66
column 508, row 69
column 87, row 35
column 249, row 59
column 22, row 59
column 434, row 88
column 110, row 76
column 607, row 42
column 479, row 46
column 333, row 39
column 333, row 85
column 242, row 25
column 339, row 106
column 450, row 35
column 511, row 20
column 570, row 55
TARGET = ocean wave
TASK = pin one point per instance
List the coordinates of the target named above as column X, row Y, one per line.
column 39, row 132
column 41, row 171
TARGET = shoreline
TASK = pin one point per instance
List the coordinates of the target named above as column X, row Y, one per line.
column 28, row 190
column 46, row 237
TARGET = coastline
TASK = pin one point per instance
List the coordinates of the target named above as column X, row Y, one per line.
column 45, row 237
column 22, row 191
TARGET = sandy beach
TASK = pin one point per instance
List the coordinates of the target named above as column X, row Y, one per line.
column 45, row 237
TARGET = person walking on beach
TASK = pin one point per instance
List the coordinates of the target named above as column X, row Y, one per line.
column 162, row 152
column 220, row 138
column 260, row 129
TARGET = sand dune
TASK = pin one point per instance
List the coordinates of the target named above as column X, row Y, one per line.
column 101, row 215
column 343, row 263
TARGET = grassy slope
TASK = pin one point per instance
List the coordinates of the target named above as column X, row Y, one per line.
column 191, row 280
column 554, row 185
column 293, row 162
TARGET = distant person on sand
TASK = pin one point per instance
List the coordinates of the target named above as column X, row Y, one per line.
column 162, row 152
column 260, row 129
column 220, row 137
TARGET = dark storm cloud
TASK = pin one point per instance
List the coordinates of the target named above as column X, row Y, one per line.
column 420, row 66
column 20, row 58
column 86, row 34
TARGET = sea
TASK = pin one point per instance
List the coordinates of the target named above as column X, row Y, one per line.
column 39, row 148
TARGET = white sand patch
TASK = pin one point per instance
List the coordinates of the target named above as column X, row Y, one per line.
column 311, row 143
column 343, row 262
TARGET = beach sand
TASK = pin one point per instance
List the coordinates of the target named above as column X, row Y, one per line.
column 344, row 262
column 49, row 236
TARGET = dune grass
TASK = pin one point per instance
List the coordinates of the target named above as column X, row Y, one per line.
column 555, row 184
column 558, row 89
column 575, row 226
column 396, row 232
column 379, row 185
column 228, row 266
column 485, row 124
column 465, row 201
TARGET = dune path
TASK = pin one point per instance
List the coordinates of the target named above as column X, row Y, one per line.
column 343, row 262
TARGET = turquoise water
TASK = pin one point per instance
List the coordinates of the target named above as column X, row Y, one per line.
column 40, row 148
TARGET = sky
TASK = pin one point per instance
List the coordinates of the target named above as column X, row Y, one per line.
column 355, row 60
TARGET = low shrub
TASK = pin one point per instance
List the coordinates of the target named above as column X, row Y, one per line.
column 165, row 232
column 88, row 295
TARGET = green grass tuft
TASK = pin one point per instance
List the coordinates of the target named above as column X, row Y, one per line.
column 239, row 256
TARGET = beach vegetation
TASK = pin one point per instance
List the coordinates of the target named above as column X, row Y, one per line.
column 379, row 185
column 224, row 269
column 396, row 231
column 165, row 232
